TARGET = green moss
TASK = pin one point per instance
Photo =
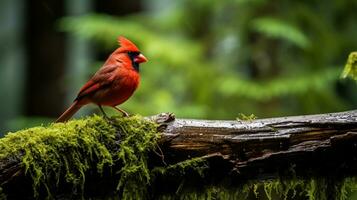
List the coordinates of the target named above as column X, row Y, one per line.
column 197, row 164
column 67, row 151
column 271, row 189
column 60, row 150
column 243, row 117
column 348, row 186
column 138, row 139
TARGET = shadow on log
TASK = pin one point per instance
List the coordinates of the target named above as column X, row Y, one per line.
column 311, row 156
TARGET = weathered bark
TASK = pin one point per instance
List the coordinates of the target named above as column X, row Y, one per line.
column 324, row 143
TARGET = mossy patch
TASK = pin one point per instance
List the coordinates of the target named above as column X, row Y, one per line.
column 243, row 117
column 69, row 151
column 60, row 150
column 311, row 189
column 139, row 138
column 197, row 164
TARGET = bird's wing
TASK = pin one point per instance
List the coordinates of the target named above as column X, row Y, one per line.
column 103, row 77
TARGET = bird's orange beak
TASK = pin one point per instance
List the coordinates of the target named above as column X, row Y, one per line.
column 140, row 59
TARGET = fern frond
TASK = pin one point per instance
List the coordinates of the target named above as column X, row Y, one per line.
column 276, row 28
column 105, row 29
column 262, row 91
column 350, row 69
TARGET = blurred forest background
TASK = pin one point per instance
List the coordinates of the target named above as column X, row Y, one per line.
column 207, row 59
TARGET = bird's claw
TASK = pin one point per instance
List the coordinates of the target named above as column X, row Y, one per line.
column 124, row 114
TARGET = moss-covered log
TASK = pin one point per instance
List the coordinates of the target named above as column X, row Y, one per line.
column 134, row 158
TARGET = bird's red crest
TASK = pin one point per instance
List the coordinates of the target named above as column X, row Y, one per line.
column 126, row 45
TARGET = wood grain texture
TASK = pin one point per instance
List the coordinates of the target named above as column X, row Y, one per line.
column 320, row 143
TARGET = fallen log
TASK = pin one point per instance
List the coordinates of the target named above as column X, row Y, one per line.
column 324, row 139
column 189, row 156
column 315, row 149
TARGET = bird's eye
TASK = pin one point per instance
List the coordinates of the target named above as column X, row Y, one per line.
column 133, row 53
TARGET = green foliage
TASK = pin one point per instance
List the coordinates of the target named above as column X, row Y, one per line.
column 279, row 29
column 351, row 67
column 106, row 30
column 261, row 91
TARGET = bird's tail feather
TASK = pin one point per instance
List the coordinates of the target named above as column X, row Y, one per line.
column 69, row 112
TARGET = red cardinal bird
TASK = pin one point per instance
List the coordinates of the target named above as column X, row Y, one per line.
column 113, row 83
